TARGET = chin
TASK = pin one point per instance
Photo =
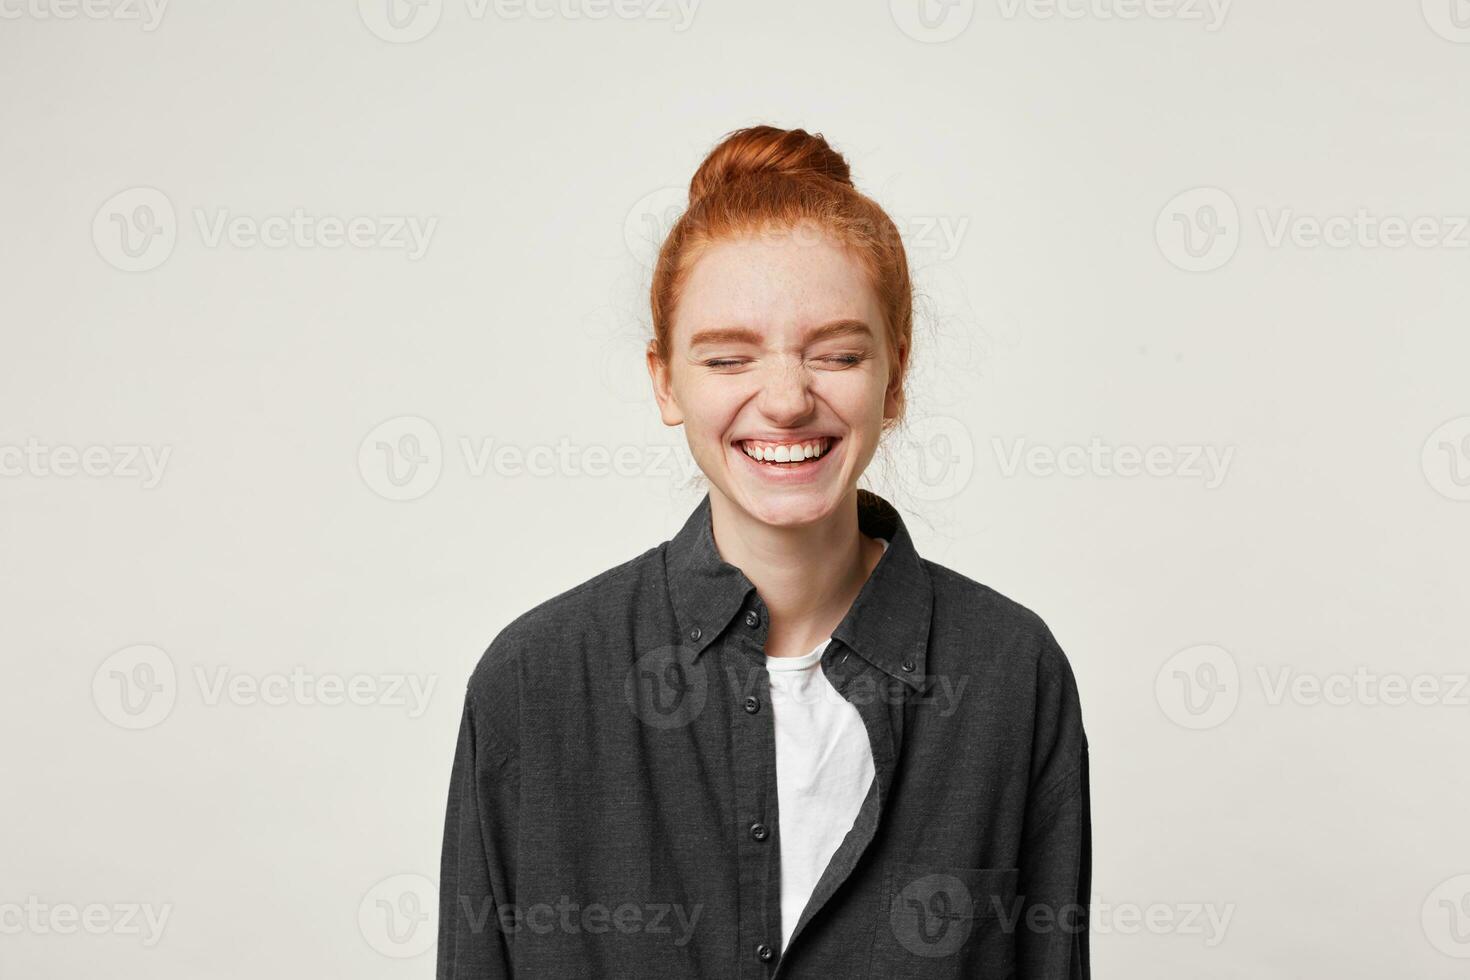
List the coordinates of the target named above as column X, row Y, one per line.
column 787, row 508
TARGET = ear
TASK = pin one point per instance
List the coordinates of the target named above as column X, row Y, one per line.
column 893, row 395
column 663, row 388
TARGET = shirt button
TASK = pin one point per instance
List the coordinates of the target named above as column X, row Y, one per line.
column 752, row 619
column 908, row 665
column 765, row 952
column 752, row 704
column 696, row 633
column 759, row 831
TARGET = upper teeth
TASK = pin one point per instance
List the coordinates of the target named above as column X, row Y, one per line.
column 785, row 452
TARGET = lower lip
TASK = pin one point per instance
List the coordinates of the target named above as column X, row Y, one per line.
column 787, row 473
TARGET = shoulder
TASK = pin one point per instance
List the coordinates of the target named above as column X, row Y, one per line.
column 966, row 609
column 557, row 624
column 1025, row 670
column 541, row 642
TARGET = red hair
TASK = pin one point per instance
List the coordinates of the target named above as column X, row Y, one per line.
column 762, row 179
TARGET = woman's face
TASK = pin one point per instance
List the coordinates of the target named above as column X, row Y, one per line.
column 778, row 348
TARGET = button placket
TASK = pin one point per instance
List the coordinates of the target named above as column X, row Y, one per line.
column 754, row 745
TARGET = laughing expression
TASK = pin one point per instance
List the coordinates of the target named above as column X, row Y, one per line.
column 779, row 373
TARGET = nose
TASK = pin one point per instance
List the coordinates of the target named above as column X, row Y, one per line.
column 786, row 396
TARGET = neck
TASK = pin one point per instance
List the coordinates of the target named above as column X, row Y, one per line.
column 808, row 575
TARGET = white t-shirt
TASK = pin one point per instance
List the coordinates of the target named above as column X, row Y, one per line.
column 824, row 768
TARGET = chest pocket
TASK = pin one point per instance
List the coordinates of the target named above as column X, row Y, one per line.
column 938, row 921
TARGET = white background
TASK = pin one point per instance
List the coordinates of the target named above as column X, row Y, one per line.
column 1052, row 145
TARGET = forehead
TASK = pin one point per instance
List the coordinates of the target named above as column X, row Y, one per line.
column 783, row 283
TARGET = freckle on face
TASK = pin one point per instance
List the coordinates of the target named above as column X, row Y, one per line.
column 779, row 287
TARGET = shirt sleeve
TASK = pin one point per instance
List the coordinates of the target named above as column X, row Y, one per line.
column 477, row 868
column 1055, row 880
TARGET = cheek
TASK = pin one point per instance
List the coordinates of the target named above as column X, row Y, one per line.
column 856, row 396
column 710, row 407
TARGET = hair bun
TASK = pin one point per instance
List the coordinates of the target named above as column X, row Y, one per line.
column 766, row 149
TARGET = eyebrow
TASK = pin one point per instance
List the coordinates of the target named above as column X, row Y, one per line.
column 744, row 335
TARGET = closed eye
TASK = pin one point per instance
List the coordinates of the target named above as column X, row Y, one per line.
column 841, row 360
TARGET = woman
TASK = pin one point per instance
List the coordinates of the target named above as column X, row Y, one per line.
column 780, row 744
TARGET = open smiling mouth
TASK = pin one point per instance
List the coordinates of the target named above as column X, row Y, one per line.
column 792, row 456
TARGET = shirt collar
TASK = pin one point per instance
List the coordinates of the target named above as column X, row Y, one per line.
column 887, row 625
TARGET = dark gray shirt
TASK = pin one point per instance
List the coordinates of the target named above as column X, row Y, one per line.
column 613, row 808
